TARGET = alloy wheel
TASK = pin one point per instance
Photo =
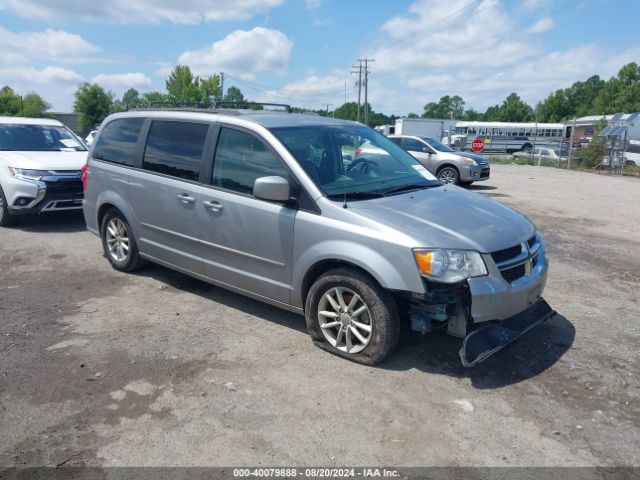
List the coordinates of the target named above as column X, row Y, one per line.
column 345, row 320
column 447, row 176
column 117, row 238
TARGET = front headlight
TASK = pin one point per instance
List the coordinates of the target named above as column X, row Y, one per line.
column 469, row 162
column 26, row 174
column 449, row 266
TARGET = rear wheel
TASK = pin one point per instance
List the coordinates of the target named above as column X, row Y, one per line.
column 449, row 175
column 350, row 315
column 118, row 243
column 6, row 219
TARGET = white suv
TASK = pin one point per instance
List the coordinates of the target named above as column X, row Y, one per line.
column 41, row 164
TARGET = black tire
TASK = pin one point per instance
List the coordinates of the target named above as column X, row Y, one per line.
column 132, row 260
column 465, row 184
column 382, row 314
column 449, row 175
column 6, row 219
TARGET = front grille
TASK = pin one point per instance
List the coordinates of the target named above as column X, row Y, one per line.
column 514, row 261
column 485, row 172
column 513, row 274
column 71, row 187
column 506, row 254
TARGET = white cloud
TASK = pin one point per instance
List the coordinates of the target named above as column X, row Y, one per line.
column 27, row 76
column 533, row 4
column 56, row 85
column 242, row 52
column 122, row 80
column 313, row 4
column 50, row 44
column 141, row 11
column 541, row 25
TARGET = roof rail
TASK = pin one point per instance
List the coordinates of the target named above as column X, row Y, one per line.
column 214, row 105
column 248, row 104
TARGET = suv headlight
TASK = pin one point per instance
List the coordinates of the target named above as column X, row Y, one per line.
column 449, row 266
column 26, row 174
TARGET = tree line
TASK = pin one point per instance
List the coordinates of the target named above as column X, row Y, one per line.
column 594, row 96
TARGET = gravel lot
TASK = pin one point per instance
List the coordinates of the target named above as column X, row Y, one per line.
column 155, row 368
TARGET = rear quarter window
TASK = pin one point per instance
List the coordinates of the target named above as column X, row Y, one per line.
column 117, row 141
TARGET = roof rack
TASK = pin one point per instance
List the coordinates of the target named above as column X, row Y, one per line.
column 244, row 104
column 226, row 104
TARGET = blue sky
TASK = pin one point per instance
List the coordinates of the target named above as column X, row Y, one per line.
column 301, row 51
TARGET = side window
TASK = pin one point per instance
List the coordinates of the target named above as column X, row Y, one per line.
column 240, row 159
column 175, row 148
column 117, row 141
column 411, row 144
column 396, row 140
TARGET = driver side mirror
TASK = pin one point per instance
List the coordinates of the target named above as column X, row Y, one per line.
column 274, row 189
column 426, row 150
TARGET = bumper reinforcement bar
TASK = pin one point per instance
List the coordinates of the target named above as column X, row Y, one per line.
column 485, row 341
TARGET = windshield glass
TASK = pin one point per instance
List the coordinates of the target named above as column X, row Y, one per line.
column 353, row 160
column 437, row 145
column 39, row 138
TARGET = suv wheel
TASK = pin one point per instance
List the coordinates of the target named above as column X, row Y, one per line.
column 118, row 243
column 350, row 315
column 6, row 219
column 449, row 175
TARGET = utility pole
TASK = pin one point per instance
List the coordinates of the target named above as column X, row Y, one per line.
column 328, row 105
column 366, row 86
column 221, row 86
column 359, row 84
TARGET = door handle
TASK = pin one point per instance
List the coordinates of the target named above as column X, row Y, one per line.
column 186, row 199
column 212, row 205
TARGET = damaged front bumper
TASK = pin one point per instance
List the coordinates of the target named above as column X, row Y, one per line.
column 488, row 312
column 486, row 340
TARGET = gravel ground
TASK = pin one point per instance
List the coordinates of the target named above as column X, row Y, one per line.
column 156, row 368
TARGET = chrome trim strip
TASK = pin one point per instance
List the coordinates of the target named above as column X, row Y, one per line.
column 214, row 245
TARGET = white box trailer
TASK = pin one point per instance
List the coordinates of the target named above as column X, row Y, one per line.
column 428, row 127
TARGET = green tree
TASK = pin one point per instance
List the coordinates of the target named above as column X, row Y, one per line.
column 447, row 107
column 210, row 88
column 413, row 115
column 10, row 103
column 93, row 104
column 33, row 105
column 513, row 109
column 182, row 86
column 131, row 99
column 234, row 94
column 348, row 111
column 149, row 98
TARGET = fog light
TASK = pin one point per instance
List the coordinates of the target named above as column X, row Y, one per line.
column 22, row 201
column 475, row 174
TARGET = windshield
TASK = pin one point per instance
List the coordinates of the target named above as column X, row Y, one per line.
column 437, row 145
column 353, row 160
column 39, row 138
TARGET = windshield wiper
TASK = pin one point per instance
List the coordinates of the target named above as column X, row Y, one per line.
column 407, row 187
column 367, row 194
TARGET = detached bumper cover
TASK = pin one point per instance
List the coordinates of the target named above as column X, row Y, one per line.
column 489, row 339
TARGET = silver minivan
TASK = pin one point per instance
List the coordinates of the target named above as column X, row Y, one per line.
column 447, row 164
column 273, row 205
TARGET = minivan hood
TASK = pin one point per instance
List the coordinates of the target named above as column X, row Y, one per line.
column 44, row 160
column 449, row 217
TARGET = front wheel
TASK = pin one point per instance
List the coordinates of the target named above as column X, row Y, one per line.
column 449, row 175
column 350, row 315
column 6, row 219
